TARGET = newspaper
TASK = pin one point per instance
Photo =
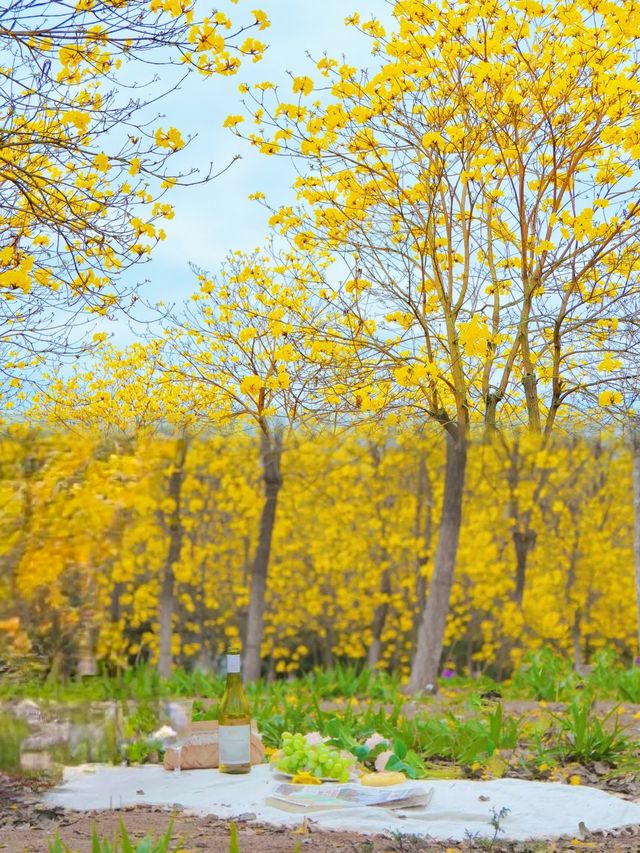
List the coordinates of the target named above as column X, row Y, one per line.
column 298, row 798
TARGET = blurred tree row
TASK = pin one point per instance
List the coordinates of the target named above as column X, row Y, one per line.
column 91, row 524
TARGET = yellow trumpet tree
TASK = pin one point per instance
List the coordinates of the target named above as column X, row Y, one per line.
column 127, row 399
column 242, row 347
column 84, row 164
column 480, row 184
column 85, row 536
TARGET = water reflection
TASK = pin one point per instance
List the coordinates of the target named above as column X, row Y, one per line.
column 40, row 738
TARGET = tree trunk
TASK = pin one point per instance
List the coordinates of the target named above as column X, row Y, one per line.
column 576, row 641
column 379, row 618
column 572, row 571
column 523, row 541
column 327, row 648
column 424, row 670
column 167, row 593
column 424, row 498
column 271, row 455
column 636, row 519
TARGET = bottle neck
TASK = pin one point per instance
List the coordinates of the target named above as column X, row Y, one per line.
column 233, row 678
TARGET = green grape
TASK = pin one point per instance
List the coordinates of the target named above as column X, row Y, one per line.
column 321, row 759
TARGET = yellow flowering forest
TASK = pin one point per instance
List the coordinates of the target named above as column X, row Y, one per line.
column 400, row 433
column 88, row 534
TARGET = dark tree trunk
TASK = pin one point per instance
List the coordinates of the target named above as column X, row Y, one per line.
column 523, row 541
column 379, row 618
column 426, row 663
column 116, row 591
column 422, row 527
column 522, row 536
column 167, row 592
column 327, row 649
column 271, row 474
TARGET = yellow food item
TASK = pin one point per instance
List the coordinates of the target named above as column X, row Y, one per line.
column 381, row 780
column 305, row 778
column 275, row 756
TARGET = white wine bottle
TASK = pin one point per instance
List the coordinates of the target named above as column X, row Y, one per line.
column 234, row 721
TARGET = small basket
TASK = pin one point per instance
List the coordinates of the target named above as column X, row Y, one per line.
column 200, row 748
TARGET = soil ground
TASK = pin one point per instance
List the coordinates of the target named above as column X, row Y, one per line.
column 26, row 826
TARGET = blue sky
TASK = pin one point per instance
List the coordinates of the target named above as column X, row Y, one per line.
column 210, row 220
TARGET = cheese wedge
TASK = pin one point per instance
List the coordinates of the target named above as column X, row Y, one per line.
column 381, row 780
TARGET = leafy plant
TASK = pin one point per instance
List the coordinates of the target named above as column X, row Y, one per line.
column 122, row 843
column 497, row 816
column 544, row 675
column 604, row 678
column 585, row 737
column 202, row 712
column 142, row 751
column 405, row 760
column 629, row 685
column 143, row 721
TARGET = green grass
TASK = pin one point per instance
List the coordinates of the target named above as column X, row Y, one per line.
column 543, row 675
column 140, row 684
column 121, row 843
column 461, row 730
column 12, row 732
column 580, row 735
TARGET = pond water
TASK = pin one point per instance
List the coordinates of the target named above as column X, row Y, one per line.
column 38, row 738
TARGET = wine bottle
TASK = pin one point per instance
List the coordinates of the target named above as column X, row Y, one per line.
column 234, row 721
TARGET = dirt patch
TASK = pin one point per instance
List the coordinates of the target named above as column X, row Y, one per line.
column 26, row 826
column 212, row 835
column 193, row 833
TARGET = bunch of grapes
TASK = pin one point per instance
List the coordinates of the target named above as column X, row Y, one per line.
column 321, row 760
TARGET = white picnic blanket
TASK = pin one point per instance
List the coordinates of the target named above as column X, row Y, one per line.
column 459, row 808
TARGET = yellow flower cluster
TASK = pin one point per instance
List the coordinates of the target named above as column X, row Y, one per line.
column 86, row 533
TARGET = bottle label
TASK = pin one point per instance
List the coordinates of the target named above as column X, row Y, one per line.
column 233, row 663
column 234, row 744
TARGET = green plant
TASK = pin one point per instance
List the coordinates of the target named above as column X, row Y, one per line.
column 603, row 680
column 143, row 721
column 120, row 844
column 201, row 712
column 629, row 685
column 405, row 760
column 142, row 751
column 12, row 733
column 585, row 737
column 405, row 842
column 544, row 675
column 234, row 847
column 497, row 816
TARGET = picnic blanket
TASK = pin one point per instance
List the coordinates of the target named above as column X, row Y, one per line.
column 457, row 809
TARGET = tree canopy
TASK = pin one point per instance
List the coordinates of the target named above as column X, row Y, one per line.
column 85, row 163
